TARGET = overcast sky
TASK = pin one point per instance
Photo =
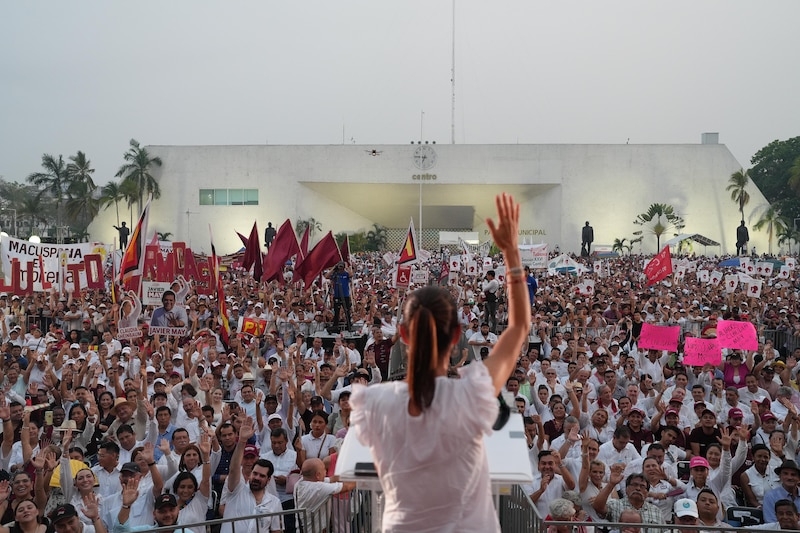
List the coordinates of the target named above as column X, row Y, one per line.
column 90, row 75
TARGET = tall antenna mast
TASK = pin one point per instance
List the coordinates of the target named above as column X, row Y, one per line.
column 453, row 82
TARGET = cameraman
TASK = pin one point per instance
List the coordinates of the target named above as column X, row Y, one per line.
column 489, row 287
column 340, row 278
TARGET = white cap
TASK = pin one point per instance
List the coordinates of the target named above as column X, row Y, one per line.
column 159, row 380
column 274, row 416
column 150, row 370
column 685, row 507
column 126, row 349
column 74, row 346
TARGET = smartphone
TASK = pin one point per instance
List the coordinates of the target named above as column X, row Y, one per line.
column 48, row 418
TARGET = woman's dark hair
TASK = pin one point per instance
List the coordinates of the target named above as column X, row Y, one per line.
column 180, row 477
column 82, row 408
column 101, row 396
column 432, row 323
column 182, row 465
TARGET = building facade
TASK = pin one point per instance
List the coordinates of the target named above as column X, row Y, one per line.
column 352, row 187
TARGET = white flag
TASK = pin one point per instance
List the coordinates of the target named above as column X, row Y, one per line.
column 785, row 272
column 716, row 277
column 703, row 276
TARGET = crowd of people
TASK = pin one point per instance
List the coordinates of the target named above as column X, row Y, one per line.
column 110, row 434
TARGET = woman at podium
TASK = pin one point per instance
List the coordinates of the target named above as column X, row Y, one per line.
column 426, row 434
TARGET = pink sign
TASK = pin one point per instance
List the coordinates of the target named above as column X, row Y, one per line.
column 659, row 337
column 735, row 334
column 699, row 352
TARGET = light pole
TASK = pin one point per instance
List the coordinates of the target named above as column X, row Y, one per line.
column 188, row 226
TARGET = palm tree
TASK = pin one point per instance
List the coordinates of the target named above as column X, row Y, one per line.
column 31, row 208
column 111, row 193
column 659, row 217
column 771, row 220
column 53, row 181
column 376, row 237
column 137, row 170
column 164, row 236
column 130, row 193
column 619, row 246
column 737, row 186
column 788, row 235
column 311, row 223
column 81, row 203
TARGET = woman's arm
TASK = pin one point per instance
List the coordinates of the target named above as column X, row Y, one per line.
column 503, row 358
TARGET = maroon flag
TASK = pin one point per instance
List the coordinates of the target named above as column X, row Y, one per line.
column 659, row 266
column 304, row 242
column 283, row 247
column 344, row 249
column 243, row 239
column 324, row 255
column 252, row 252
column 445, row 272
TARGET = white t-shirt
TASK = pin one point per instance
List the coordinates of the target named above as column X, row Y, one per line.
column 443, row 488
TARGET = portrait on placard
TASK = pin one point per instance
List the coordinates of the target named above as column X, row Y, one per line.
column 128, row 312
column 170, row 318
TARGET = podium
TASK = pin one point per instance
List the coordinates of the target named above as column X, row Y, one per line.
column 506, row 451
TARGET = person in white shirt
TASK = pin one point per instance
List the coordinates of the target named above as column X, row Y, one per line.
column 284, row 460
column 314, row 490
column 619, row 449
column 483, row 338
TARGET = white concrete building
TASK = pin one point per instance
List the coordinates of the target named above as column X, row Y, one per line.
column 350, row 187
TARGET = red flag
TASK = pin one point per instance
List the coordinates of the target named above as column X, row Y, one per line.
column 324, row 255
column 445, row 272
column 217, row 277
column 284, row 246
column 408, row 254
column 304, row 242
column 659, row 266
column 132, row 262
column 344, row 249
column 253, row 326
column 252, row 252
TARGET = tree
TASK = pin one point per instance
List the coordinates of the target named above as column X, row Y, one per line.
column 771, row 173
column 137, row 170
column 130, row 193
column 620, row 246
column 311, row 223
column 31, row 209
column 788, row 235
column 164, row 236
column 376, row 238
column 112, row 193
column 737, row 186
column 771, row 220
column 658, row 219
column 53, row 181
column 82, row 205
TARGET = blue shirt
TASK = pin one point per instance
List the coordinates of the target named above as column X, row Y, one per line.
column 157, row 454
column 772, row 496
column 532, row 287
column 341, row 284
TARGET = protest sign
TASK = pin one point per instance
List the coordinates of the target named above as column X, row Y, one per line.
column 534, row 255
column 785, row 272
column 254, row 326
column 716, row 277
column 731, row 281
column 703, row 276
column 403, row 276
column 659, row 337
column 699, row 352
column 152, row 291
column 420, row 277
column 34, row 267
column 455, row 263
column 128, row 317
column 736, row 334
column 754, row 288
column 169, row 319
column 790, row 262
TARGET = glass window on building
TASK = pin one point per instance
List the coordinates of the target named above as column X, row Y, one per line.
column 206, row 196
column 228, row 196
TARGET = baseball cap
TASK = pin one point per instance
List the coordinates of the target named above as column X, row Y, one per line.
column 130, row 467
column 274, row 416
column 63, row 511
column 672, row 412
column 685, row 507
column 637, row 410
column 676, row 399
column 768, row 416
column 159, row 380
column 74, row 346
column 697, row 462
column 735, row 413
column 165, row 500
column 251, row 449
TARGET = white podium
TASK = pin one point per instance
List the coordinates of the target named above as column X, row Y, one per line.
column 506, row 451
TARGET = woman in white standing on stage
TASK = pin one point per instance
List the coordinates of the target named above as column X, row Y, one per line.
column 428, row 487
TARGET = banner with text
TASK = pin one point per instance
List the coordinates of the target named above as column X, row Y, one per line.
column 700, row 352
column 735, row 334
column 659, row 337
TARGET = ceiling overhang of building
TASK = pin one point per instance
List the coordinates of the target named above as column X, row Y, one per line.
column 444, row 206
